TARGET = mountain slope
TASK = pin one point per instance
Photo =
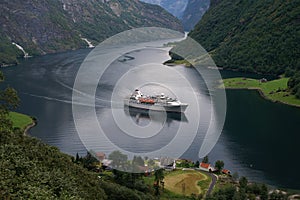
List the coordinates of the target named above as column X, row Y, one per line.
column 188, row 11
column 49, row 26
column 259, row 36
column 176, row 7
column 193, row 12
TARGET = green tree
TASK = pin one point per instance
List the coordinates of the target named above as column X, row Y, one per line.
column 219, row 165
column 138, row 160
column 205, row 159
column 228, row 192
column 240, row 195
column 243, row 182
column 197, row 164
column 158, row 177
column 264, row 192
column 119, row 160
column 9, row 100
column 77, row 158
column 137, row 164
column 278, row 196
column 89, row 162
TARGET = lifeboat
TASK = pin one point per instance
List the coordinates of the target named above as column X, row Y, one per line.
column 147, row 101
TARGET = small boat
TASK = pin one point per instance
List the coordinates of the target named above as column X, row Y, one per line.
column 157, row 103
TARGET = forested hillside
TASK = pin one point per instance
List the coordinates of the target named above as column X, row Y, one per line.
column 49, row 26
column 260, row 36
column 256, row 36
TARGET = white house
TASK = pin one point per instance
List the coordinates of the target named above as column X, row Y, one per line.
column 206, row 167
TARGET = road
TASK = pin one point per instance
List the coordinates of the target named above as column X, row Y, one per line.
column 214, row 179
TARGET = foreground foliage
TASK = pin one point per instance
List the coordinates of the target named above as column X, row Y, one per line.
column 31, row 169
column 242, row 189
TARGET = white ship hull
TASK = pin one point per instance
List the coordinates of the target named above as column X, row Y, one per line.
column 157, row 107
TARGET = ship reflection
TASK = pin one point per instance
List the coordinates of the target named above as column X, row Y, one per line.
column 157, row 116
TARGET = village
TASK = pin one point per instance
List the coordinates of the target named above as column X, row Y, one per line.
column 166, row 163
column 176, row 177
column 181, row 176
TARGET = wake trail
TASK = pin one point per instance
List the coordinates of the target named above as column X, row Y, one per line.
column 64, row 101
column 90, row 96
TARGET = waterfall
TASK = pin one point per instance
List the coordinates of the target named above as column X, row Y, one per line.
column 26, row 55
column 88, row 42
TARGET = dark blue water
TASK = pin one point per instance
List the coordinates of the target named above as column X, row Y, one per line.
column 259, row 139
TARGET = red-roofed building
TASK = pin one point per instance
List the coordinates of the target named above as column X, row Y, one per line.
column 226, row 171
column 206, row 167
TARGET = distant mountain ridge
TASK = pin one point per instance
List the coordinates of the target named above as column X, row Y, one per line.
column 193, row 13
column 49, row 26
column 188, row 11
column 175, row 7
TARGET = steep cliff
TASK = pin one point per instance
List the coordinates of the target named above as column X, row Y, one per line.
column 49, row 26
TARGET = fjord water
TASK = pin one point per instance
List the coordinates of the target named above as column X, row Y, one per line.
column 259, row 140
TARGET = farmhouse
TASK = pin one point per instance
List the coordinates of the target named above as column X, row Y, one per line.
column 226, row 171
column 206, row 167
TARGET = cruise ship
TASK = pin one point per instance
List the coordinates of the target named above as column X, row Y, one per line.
column 157, row 103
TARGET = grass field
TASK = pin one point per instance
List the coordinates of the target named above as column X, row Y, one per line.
column 187, row 182
column 20, row 120
column 178, row 62
column 275, row 90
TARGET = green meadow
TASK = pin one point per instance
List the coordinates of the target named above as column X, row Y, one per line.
column 20, row 120
column 275, row 90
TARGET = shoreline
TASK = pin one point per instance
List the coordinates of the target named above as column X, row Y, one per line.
column 276, row 90
column 29, row 126
column 20, row 60
column 261, row 93
column 172, row 63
